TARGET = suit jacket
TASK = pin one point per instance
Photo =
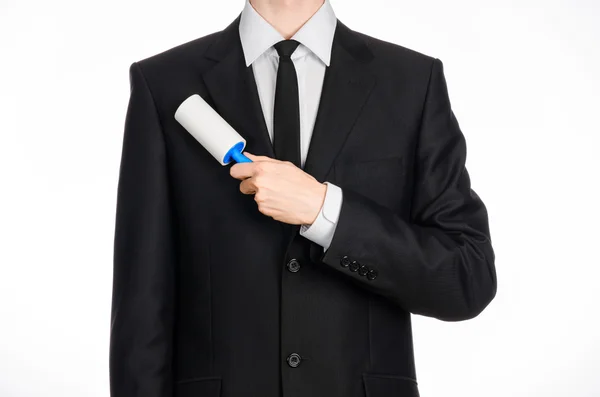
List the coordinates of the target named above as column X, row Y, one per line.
column 212, row 298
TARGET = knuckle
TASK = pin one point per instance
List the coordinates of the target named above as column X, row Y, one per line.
column 259, row 180
column 260, row 196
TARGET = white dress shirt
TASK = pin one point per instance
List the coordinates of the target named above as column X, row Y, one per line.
column 310, row 59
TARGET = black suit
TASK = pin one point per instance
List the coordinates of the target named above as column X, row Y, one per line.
column 203, row 302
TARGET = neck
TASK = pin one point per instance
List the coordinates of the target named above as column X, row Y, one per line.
column 286, row 16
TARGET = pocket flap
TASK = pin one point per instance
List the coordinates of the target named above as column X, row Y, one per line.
column 199, row 387
column 384, row 385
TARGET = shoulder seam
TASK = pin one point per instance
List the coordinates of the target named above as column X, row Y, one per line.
column 138, row 67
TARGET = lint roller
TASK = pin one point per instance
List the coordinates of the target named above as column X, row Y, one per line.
column 211, row 130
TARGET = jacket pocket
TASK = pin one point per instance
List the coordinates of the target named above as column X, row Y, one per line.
column 199, row 387
column 384, row 385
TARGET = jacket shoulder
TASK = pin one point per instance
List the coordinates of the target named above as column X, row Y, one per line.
column 395, row 54
column 188, row 53
column 399, row 51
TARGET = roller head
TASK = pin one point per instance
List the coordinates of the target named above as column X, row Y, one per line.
column 211, row 130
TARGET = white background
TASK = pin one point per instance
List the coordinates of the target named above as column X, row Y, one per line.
column 524, row 83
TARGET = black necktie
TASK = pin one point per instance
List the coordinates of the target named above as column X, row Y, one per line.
column 286, row 115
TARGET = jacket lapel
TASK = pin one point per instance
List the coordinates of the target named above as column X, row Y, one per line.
column 346, row 86
column 233, row 91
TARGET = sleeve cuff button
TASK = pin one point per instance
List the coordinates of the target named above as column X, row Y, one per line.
column 372, row 274
column 363, row 270
column 345, row 261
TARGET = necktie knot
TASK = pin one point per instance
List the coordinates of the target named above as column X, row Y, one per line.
column 285, row 48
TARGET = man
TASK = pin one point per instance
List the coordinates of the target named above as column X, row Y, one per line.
column 294, row 275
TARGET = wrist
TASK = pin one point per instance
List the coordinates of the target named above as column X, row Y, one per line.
column 320, row 191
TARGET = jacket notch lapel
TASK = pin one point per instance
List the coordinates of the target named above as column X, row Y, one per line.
column 232, row 88
column 346, row 87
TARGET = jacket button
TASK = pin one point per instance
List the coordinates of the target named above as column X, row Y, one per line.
column 363, row 270
column 354, row 265
column 293, row 360
column 372, row 274
column 293, row 265
column 345, row 261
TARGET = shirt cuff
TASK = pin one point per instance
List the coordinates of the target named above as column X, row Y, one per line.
column 322, row 229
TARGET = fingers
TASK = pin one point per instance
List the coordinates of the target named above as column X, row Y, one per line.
column 254, row 157
column 246, row 170
column 247, row 186
column 243, row 170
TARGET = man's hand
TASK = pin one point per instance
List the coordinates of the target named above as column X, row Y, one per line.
column 282, row 191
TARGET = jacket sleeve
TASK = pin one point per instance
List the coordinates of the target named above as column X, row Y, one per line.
column 140, row 358
column 440, row 262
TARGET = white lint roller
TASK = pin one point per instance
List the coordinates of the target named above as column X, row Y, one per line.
column 211, row 130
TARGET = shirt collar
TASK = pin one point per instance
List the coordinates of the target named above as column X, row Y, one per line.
column 257, row 35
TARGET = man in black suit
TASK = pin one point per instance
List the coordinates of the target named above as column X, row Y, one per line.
column 294, row 275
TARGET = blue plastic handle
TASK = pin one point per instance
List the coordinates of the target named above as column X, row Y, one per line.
column 235, row 154
column 240, row 158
